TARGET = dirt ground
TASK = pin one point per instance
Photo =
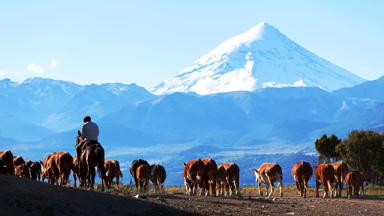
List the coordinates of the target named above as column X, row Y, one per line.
column 24, row 197
column 289, row 205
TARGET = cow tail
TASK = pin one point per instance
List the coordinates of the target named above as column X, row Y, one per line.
column 118, row 168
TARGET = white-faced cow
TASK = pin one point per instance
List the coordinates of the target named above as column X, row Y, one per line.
column 269, row 173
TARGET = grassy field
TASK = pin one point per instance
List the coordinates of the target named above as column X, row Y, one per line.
column 289, row 190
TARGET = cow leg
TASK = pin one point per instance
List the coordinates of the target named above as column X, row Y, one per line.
column 227, row 188
column 162, row 188
column 325, row 185
column 298, row 186
column 305, row 188
column 139, row 186
column 136, row 184
column 74, row 179
column 213, row 187
column 301, row 186
column 235, row 186
column 356, row 189
column 145, row 186
column 259, row 187
column 361, row 190
column 331, row 188
column 218, row 185
column 186, row 187
column 337, row 191
column 281, row 187
column 349, row 189
column 341, row 187
column 271, row 186
column 231, row 188
column 317, row 188
column 336, row 187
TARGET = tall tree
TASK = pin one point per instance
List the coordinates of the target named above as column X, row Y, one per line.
column 364, row 151
column 326, row 147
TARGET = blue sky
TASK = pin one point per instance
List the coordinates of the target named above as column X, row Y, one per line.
column 148, row 41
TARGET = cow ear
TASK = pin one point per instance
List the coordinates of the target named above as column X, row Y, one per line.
column 78, row 133
column 185, row 164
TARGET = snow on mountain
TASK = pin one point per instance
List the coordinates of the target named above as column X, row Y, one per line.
column 260, row 58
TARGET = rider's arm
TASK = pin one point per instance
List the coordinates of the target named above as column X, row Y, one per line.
column 83, row 131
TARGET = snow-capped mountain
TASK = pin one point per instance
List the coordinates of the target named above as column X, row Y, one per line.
column 259, row 58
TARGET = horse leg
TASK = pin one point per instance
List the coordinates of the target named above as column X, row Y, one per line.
column 92, row 177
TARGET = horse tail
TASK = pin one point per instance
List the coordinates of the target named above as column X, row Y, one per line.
column 100, row 162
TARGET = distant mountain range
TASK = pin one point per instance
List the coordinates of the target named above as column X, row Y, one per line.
column 39, row 107
column 42, row 115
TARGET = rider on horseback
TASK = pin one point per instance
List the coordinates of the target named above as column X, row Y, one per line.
column 90, row 133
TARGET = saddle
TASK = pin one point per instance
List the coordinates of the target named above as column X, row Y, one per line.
column 89, row 143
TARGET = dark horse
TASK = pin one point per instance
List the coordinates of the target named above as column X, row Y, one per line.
column 91, row 156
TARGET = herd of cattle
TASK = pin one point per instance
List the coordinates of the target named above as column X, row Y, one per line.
column 56, row 168
column 201, row 176
column 204, row 176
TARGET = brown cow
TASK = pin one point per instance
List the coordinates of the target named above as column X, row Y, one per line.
column 222, row 187
column 302, row 172
column 355, row 181
column 158, row 176
column 210, row 176
column 44, row 170
column 3, row 169
column 17, row 160
column 64, row 163
column 50, row 169
column 325, row 175
column 193, row 175
column 228, row 175
column 187, row 182
column 132, row 169
column 21, row 169
column 57, row 165
column 112, row 168
column 35, row 171
column 142, row 176
column 269, row 173
column 7, row 160
column 341, row 169
column 75, row 171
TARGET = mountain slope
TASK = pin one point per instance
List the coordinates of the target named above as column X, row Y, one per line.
column 259, row 58
column 370, row 89
column 238, row 118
